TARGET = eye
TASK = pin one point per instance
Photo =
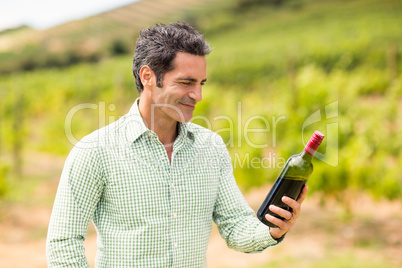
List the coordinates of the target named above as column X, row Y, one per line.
column 185, row 83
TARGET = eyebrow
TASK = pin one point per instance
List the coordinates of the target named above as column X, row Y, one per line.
column 190, row 79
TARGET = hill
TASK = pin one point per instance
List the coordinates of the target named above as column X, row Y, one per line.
column 89, row 39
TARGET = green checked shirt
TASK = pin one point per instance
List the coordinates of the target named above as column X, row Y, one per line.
column 147, row 211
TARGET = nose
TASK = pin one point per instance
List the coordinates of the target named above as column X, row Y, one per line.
column 196, row 93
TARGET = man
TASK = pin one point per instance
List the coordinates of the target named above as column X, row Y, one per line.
column 151, row 182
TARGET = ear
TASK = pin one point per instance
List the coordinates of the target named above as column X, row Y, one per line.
column 147, row 76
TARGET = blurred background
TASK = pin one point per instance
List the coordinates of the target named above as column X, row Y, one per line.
column 278, row 71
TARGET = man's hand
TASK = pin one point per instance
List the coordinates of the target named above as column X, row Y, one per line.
column 286, row 225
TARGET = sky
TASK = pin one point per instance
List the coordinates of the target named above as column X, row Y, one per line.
column 43, row 14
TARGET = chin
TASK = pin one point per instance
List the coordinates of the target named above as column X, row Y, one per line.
column 184, row 118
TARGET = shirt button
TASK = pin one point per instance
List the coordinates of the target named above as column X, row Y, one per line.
column 175, row 245
column 172, row 185
column 265, row 242
column 174, row 215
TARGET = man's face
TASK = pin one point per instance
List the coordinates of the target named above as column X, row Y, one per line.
column 182, row 88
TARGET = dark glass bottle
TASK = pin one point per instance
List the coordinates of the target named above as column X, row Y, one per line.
column 291, row 180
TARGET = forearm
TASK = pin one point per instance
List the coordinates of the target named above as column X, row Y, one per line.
column 251, row 237
column 242, row 230
column 237, row 222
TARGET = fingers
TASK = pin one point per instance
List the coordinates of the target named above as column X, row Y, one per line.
column 293, row 204
column 284, row 225
column 276, row 233
column 287, row 215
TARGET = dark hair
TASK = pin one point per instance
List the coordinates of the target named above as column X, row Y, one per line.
column 157, row 47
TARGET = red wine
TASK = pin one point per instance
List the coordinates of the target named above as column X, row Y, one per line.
column 291, row 180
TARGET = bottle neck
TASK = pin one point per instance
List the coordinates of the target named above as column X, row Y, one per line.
column 312, row 145
column 311, row 148
column 306, row 156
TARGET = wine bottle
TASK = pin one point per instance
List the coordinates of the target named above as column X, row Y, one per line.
column 291, row 179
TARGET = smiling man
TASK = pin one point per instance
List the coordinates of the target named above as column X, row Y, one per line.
column 163, row 106
column 152, row 182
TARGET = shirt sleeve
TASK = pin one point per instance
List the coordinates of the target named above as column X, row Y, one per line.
column 236, row 221
column 78, row 193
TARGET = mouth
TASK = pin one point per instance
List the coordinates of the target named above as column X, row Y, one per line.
column 188, row 106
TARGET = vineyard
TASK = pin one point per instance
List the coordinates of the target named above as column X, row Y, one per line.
column 328, row 66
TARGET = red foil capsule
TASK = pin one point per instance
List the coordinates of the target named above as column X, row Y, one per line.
column 314, row 142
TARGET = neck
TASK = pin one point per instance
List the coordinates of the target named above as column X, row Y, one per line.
column 164, row 127
column 306, row 156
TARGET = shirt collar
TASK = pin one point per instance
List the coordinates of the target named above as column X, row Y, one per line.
column 136, row 126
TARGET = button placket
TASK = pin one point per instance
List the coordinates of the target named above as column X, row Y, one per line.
column 159, row 152
column 174, row 211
